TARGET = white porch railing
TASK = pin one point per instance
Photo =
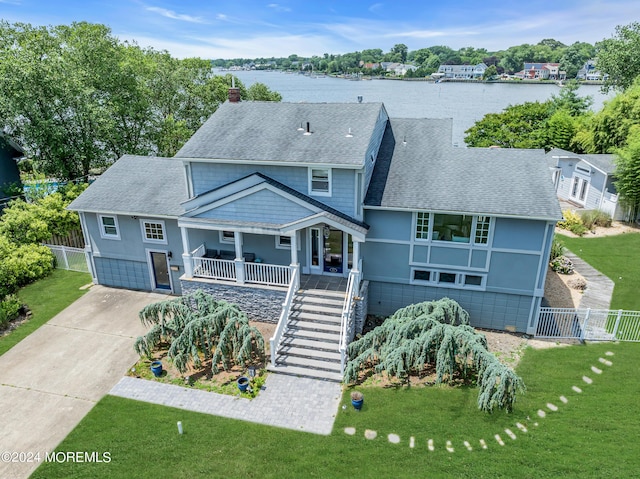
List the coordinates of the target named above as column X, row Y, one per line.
column 269, row 274
column 588, row 324
column 294, row 285
column 347, row 325
column 214, row 268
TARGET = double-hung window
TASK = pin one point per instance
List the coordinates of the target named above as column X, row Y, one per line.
column 109, row 227
column 320, row 181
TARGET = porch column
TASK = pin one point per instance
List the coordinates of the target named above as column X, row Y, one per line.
column 355, row 267
column 239, row 261
column 186, row 253
column 294, row 259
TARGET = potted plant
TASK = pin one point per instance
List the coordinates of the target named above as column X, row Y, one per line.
column 243, row 383
column 156, row 368
column 357, row 398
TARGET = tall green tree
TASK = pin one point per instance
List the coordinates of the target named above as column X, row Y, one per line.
column 627, row 173
column 619, row 57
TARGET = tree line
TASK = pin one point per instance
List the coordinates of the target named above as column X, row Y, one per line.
column 76, row 98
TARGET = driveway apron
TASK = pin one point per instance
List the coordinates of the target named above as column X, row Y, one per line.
column 51, row 379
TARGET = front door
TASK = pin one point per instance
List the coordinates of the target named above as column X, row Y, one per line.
column 333, row 250
column 579, row 189
column 160, row 271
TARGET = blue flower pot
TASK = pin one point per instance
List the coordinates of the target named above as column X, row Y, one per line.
column 243, row 383
column 357, row 403
column 156, row 368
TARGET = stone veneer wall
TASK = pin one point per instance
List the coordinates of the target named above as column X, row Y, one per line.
column 260, row 304
column 362, row 307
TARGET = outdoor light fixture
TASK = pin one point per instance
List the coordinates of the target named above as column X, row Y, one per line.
column 326, row 232
column 252, row 371
column 170, row 254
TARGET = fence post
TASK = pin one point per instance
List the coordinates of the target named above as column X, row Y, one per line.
column 615, row 328
column 66, row 260
column 584, row 326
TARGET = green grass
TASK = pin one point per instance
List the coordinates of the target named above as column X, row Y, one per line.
column 617, row 257
column 46, row 298
column 594, row 435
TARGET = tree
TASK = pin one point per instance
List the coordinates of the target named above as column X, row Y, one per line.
column 518, row 126
column 435, row 333
column 627, row 174
column 575, row 56
column 400, row 49
column 196, row 324
column 569, row 100
column 619, row 57
column 490, row 72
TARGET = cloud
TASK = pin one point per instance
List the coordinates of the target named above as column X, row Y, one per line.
column 279, row 8
column 175, row 16
column 376, row 7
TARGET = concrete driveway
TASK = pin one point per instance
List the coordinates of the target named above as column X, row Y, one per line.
column 52, row 378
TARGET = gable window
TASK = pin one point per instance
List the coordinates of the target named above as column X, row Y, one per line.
column 483, row 223
column 455, row 228
column 320, row 181
column 227, row 237
column 109, row 227
column 153, row 231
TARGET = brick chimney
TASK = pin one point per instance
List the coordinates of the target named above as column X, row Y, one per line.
column 234, row 95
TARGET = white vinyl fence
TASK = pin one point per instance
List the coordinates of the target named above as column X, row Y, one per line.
column 73, row 259
column 589, row 324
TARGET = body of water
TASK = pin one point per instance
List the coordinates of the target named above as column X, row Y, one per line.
column 466, row 103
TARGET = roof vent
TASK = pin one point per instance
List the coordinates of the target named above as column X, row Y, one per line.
column 308, row 132
column 359, row 98
column 349, row 135
column 300, row 127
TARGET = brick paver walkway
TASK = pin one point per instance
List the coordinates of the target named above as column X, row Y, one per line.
column 290, row 402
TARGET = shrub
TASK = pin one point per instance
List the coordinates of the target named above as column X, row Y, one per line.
column 22, row 265
column 593, row 218
column 562, row 265
column 557, row 249
column 572, row 222
column 9, row 310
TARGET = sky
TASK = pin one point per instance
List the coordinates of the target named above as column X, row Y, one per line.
column 263, row 29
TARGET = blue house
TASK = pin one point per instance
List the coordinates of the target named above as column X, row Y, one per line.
column 273, row 204
column 10, row 151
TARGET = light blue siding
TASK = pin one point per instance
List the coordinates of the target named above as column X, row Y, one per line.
column 486, row 309
column 386, row 260
column 420, row 254
column 513, row 272
column 479, row 259
column 121, row 273
column 444, row 256
column 208, row 176
column 264, row 206
column 519, row 234
column 388, row 225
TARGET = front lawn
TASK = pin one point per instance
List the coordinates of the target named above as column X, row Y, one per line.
column 46, row 298
column 593, row 435
column 617, row 257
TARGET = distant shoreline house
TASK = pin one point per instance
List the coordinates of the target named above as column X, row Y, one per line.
column 462, row 72
column 589, row 72
column 264, row 192
column 541, row 71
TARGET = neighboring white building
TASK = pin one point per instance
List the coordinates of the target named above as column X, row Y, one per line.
column 463, row 72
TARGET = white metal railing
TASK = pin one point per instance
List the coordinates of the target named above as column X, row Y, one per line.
column 269, row 274
column 294, row 284
column 199, row 251
column 347, row 324
column 72, row 259
column 588, row 324
column 214, row 268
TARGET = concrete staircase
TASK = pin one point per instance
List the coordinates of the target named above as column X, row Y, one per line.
column 310, row 343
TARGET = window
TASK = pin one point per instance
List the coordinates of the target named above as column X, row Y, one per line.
column 153, row 231
column 482, row 229
column 421, row 275
column 455, row 228
column 284, row 242
column 446, row 278
column 109, row 227
column 422, row 226
column 320, row 181
column 227, row 237
column 472, row 280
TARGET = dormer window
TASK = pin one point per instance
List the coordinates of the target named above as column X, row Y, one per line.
column 320, row 181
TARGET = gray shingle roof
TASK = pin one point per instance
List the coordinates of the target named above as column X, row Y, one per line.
column 137, row 185
column 428, row 173
column 604, row 162
column 266, row 131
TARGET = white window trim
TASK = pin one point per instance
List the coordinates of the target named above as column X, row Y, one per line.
column 286, row 246
column 434, row 279
column 104, row 234
column 225, row 240
column 329, row 178
column 145, row 239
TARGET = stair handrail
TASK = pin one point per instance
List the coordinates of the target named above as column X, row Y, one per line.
column 294, row 285
column 347, row 317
